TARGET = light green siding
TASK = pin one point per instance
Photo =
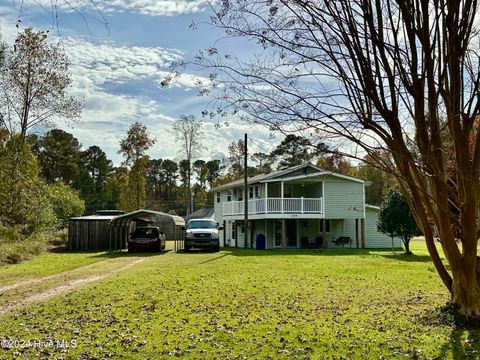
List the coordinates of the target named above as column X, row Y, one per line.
column 343, row 199
column 373, row 238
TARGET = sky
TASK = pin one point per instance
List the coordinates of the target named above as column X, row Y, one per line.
column 120, row 50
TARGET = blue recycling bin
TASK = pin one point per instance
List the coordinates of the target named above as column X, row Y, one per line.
column 260, row 242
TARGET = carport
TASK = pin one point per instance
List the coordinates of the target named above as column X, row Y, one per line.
column 121, row 226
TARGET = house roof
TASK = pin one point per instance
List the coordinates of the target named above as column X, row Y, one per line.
column 204, row 213
column 273, row 175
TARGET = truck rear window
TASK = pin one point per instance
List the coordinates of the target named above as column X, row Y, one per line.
column 201, row 225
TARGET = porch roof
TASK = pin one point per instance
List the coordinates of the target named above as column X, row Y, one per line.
column 274, row 176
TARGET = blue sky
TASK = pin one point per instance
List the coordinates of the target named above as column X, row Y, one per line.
column 117, row 68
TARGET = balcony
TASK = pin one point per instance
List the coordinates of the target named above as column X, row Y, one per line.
column 275, row 206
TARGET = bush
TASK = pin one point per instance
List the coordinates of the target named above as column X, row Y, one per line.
column 16, row 247
column 65, row 202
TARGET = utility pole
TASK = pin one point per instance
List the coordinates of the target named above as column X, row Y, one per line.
column 245, row 193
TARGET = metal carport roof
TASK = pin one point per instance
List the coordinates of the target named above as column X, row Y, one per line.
column 159, row 216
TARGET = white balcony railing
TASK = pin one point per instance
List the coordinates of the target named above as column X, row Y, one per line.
column 275, row 206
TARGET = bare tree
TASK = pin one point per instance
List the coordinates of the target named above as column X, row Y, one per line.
column 35, row 84
column 189, row 135
column 380, row 74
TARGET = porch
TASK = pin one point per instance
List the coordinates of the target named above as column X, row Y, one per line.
column 297, row 233
column 275, row 206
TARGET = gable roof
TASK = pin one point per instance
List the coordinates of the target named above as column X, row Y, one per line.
column 290, row 173
column 142, row 213
column 204, row 213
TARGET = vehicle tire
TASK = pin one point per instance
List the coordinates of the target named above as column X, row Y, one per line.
column 187, row 248
column 216, row 248
column 159, row 246
column 130, row 250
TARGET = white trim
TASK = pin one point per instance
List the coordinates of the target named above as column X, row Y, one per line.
column 322, row 173
column 275, row 216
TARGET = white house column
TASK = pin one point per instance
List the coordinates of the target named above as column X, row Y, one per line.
column 281, row 196
column 266, row 198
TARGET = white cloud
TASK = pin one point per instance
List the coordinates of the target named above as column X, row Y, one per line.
column 143, row 7
column 107, row 116
column 107, row 61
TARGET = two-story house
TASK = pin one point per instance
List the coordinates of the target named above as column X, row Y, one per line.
column 299, row 207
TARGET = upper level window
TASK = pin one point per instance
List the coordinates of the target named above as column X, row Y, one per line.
column 229, row 195
column 218, row 197
column 254, row 192
column 240, row 195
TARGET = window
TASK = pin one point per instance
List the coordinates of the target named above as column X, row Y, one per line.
column 320, row 226
column 253, row 192
column 240, row 194
column 229, row 195
column 218, row 197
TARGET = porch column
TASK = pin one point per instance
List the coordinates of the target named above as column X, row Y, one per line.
column 266, row 198
column 266, row 238
column 362, row 231
column 284, row 243
column 281, row 196
column 236, row 233
column 324, row 224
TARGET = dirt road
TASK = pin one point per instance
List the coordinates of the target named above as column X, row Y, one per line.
column 26, row 292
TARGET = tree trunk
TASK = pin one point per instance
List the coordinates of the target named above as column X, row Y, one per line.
column 466, row 290
column 406, row 243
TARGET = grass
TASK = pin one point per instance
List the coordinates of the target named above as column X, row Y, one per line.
column 243, row 304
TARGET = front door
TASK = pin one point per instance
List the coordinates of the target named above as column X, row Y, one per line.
column 291, row 230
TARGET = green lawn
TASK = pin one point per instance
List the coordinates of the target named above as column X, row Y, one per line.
column 250, row 304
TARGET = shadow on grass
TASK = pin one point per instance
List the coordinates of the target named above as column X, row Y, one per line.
column 464, row 340
column 307, row 252
column 215, row 258
column 408, row 258
column 121, row 253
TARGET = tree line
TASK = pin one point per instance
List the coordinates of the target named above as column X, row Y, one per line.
column 47, row 178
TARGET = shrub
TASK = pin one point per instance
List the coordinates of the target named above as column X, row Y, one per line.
column 16, row 247
column 65, row 202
